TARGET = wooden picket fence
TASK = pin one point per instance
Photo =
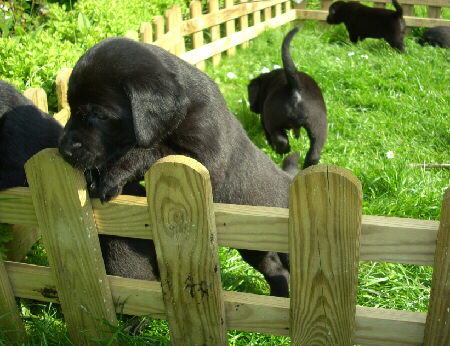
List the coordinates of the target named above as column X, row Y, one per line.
column 323, row 229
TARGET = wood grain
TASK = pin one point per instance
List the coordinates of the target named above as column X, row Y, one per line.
column 437, row 330
column 182, row 219
column 244, row 311
column 10, row 321
column 65, row 218
column 324, row 230
column 383, row 239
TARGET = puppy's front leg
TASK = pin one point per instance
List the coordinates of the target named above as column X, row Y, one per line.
column 129, row 167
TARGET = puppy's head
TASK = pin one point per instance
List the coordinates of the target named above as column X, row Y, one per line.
column 335, row 15
column 122, row 94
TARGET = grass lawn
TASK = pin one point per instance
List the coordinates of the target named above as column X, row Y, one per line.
column 378, row 101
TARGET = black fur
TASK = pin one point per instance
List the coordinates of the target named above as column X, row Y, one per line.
column 134, row 103
column 439, row 36
column 362, row 22
column 24, row 131
column 289, row 99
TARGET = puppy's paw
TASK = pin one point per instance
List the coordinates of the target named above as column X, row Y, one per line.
column 107, row 193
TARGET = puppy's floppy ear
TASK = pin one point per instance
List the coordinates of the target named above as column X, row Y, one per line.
column 253, row 95
column 158, row 106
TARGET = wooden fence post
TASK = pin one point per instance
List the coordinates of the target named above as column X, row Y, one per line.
column 174, row 27
column 38, row 97
column 324, row 230
column 437, row 328
column 213, row 6
column 182, row 219
column 62, row 83
column 10, row 321
column 65, row 218
column 267, row 13
column 434, row 12
column 243, row 23
column 146, row 31
column 159, row 27
column 230, row 27
column 197, row 37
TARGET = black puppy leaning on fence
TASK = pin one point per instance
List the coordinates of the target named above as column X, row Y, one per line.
column 289, row 99
column 133, row 103
column 366, row 22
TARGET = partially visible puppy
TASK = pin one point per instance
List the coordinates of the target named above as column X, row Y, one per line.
column 362, row 22
column 439, row 36
column 24, row 131
column 289, row 99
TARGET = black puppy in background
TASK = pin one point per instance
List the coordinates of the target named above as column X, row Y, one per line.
column 363, row 22
column 133, row 103
column 439, row 36
column 24, row 131
column 289, row 99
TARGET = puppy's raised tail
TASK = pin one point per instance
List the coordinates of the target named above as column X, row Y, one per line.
column 288, row 64
column 398, row 8
column 290, row 164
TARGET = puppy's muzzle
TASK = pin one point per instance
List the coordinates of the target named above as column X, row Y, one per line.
column 73, row 151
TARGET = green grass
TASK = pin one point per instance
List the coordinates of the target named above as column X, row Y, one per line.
column 377, row 100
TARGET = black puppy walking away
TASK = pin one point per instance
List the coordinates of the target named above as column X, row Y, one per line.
column 134, row 103
column 289, row 99
column 363, row 22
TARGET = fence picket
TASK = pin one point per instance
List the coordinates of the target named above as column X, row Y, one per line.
column 146, row 31
column 65, row 218
column 38, row 97
column 213, row 7
column 62, row 84
column 437, row 329
column 324, row 231
column 197, row 37
column 182, row 219
column 230, row 27
column 10, row 321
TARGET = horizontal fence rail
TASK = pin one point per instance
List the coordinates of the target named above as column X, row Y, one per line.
column 384, row 239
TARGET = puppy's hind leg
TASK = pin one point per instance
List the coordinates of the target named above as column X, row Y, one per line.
column 317, row 134
column 273, row 269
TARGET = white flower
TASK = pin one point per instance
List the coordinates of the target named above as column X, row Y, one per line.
column 265, row 70
column 231, row 75
column 364, row 56
column 275, row 67
column 240, row 101
column 390, row 154
column 351, row 53
column 338, row 59
column 3, row 7
column 7, row 17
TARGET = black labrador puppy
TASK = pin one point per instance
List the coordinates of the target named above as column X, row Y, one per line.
column 439, row 36
column 24, row 131
column 134, row 103
column 362, row 22
column 289, row 99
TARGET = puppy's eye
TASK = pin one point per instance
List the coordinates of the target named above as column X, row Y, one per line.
column 100, row 116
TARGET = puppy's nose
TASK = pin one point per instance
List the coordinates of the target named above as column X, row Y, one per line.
column 67, row 146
